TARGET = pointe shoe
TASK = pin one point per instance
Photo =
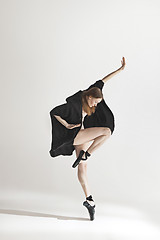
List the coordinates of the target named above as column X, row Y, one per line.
column 79, row 159
column 91, row 209
column 87, row 154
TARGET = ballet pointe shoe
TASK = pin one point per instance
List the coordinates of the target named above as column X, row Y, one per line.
column 79, row 159
column 91, row 209
column 87, row 154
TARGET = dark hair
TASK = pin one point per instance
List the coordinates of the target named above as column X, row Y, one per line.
column 94, row 92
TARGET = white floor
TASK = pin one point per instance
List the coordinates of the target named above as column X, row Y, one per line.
column 26, row 217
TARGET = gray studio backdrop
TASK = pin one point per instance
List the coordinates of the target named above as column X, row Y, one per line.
column 51, row 49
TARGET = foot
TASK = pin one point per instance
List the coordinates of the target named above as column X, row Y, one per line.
column 79, row 159
column 83, row 157
column 87, row 154
column 90, row 200
column 91, row 209
column 90, row 206
column 92, row 203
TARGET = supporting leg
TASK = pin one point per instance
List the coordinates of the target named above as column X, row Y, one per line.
column 82, row 176
column 82, row 171
column 82, row 167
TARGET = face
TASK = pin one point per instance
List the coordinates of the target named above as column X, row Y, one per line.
column 93, row 101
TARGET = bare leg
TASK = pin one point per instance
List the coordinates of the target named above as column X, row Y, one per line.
column 89, row 134
column 98, row 141
column 98, row 134
column 82, row 142
column 82, row 171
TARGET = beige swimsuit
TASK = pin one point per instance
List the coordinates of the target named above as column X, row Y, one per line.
column 83, row 115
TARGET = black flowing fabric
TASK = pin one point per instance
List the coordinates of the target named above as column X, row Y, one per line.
column 62, row 137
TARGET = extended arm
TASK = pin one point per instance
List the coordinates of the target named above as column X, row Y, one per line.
column 61, row 113
column 62, row 121
column 106, row 78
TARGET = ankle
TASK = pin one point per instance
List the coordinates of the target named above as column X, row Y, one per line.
column 89, row 198
column 87, row 154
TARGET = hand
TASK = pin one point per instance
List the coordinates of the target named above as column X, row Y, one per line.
column 123, row 63
column 71, row 126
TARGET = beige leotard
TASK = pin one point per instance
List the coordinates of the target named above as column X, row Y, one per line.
column 83, row 115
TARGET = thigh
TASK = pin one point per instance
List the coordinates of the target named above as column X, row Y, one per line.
column 89, row 134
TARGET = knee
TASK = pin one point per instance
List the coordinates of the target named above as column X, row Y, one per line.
column 82, row 166
column 107, row 131
column 82, row 173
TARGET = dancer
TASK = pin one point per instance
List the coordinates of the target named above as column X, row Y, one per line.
column 84, row 118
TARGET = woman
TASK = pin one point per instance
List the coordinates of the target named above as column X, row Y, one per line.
column 84, row 118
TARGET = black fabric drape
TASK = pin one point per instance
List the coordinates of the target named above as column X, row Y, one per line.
column 63, row 138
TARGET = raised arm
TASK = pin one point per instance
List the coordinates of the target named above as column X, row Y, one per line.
column 106, row 78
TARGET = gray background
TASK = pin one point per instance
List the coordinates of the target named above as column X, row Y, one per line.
column 48, row 51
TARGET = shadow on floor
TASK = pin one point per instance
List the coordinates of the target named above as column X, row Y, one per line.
column 35, row 214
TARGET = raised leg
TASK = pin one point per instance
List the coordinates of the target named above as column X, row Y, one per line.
column 89, row 134
column 98, row 141
column 97, row 134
